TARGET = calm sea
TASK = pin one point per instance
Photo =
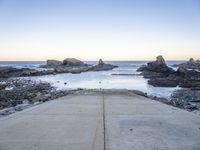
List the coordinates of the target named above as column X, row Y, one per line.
column 102, row 79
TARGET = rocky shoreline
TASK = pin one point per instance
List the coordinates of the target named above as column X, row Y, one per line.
column 186, row 99
column 18, row 94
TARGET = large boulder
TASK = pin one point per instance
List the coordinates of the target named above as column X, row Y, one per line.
column 53, row 63
column 72, row 62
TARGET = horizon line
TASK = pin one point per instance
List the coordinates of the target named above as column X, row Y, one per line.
column 95, row 60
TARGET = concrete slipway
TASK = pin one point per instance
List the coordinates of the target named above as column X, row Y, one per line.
column 97, row 121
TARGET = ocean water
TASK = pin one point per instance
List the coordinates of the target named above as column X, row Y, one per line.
column 101, row 79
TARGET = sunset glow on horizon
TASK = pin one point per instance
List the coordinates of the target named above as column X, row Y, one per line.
column 89, row 30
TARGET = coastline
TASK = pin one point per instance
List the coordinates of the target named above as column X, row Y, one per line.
column 21, row 92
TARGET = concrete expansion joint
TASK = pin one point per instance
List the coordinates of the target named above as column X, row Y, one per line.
column 104, row 124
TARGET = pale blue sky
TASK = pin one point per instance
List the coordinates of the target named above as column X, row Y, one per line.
column 108, row 29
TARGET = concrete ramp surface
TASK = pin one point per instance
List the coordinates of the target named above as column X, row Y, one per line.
column 99, row 121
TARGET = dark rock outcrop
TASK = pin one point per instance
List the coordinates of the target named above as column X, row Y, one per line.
column 101, row 66
column 161, row 75
column 156, row 68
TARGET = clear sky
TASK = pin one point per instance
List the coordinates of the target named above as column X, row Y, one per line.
column 93, row 29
